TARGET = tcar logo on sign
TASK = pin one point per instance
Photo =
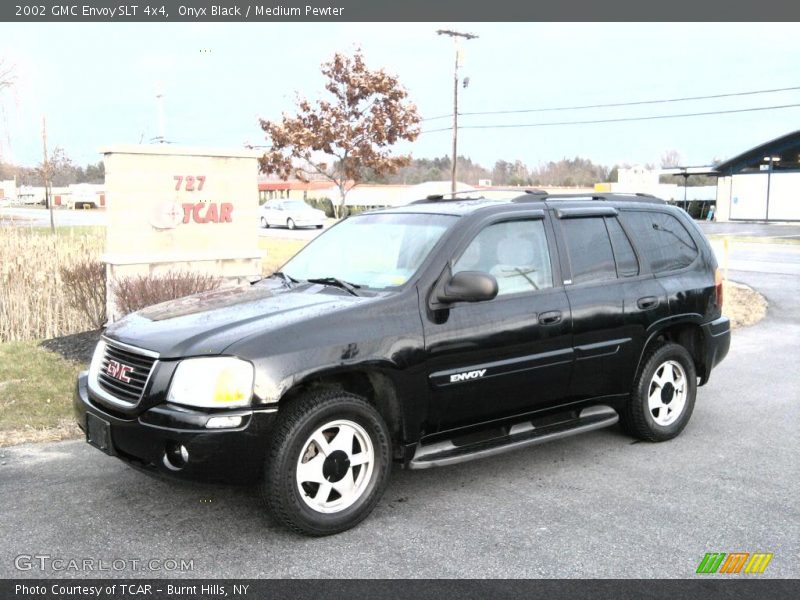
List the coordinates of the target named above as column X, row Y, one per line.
column 733, row 562
column 119, row 371
column 170, row 214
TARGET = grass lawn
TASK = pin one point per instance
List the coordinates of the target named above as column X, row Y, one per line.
column 277, row 251
column 35, row 394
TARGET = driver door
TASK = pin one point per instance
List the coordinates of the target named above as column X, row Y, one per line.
column 510, row 355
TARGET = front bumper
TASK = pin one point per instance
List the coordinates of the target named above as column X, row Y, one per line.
column 717, row 342
column 233, row 455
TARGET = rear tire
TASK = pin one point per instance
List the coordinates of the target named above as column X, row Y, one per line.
column 663, row 395
column 264, row 223
column 290, row 224
column 328, row 463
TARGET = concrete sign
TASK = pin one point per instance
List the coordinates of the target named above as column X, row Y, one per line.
column 181, row 208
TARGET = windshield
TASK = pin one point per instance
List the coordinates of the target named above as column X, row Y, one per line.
column 295, row 205
column 375, row 251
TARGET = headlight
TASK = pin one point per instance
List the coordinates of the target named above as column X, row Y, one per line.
column 215, row 382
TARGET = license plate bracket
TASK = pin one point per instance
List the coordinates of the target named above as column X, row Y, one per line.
column 98, row 433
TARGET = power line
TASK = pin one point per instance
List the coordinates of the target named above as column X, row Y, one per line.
column 621, row 119
column 616, row 104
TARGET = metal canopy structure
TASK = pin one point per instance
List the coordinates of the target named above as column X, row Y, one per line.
column 783, row 152
column 688, row 171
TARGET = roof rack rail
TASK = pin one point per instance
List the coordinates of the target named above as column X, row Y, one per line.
column 608, row 196
column 452, row 196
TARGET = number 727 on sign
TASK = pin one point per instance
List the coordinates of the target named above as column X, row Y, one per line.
column 191, row 183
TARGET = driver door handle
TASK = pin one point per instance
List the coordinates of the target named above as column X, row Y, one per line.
column 550, row 318
column 647, row 302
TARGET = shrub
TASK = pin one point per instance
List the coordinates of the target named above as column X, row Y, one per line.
column 85, row 289
column 134, row 293
column 324, row 204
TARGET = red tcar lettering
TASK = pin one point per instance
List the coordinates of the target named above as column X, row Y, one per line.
column 187, row 211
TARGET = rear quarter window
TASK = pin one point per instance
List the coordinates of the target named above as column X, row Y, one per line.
column 589, row 247
column 662, row 238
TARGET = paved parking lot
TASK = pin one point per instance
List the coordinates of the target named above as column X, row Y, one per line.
column 597, row 505
column 38, row 217
column 304, row 233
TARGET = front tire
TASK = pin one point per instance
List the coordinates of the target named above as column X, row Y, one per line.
column 663, row 395
column 328, row 463
column 264, row 223
column 290, row 224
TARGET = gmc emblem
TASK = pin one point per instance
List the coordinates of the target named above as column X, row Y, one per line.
column 119, row 371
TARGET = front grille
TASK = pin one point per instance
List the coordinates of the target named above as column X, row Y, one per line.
column 131, row 365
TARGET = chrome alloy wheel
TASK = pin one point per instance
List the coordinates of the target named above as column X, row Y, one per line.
column 335, row 466
column 666, row 395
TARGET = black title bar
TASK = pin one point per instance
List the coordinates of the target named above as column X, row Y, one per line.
column 707, row 588
column 156, row 11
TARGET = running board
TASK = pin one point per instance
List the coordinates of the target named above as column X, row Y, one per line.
column 519, row 435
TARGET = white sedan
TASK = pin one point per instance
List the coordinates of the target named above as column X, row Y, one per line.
column 291, row 214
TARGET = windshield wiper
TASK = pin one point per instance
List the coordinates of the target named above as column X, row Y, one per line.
column 336, row 282
column 289, row 281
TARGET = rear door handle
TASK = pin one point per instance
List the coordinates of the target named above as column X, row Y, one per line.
column 550, row 318
column 647, row 302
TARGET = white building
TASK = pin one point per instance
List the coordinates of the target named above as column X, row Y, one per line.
column 762, row 184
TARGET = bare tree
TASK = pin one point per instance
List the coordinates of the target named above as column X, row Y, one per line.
column 7, row 80
column 366, row 113
column 7, row 76
column 670, row 158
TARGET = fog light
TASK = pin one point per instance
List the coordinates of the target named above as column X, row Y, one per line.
column 223, row 422
column 175, row 456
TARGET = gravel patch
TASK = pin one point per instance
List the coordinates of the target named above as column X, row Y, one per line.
column 742, row 304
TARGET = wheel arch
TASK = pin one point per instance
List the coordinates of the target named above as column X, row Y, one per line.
column 375, row 385
column 687, row 333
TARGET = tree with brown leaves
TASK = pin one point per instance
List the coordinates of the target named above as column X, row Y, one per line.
column 367, row 112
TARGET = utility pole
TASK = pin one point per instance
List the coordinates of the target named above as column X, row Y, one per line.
column 160, row 109
column 46, row 167
column 456, row 35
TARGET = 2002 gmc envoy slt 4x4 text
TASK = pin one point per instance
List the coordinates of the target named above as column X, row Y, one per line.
column 434, row 333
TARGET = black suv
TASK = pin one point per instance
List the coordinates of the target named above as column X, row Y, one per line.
column 426, row 335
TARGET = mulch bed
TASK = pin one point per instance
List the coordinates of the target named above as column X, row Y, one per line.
column 77, row 346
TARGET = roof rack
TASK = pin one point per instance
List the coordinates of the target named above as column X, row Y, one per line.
column 452, row 196
column 608, row 196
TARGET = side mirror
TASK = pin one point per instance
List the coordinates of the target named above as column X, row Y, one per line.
column 469, row 286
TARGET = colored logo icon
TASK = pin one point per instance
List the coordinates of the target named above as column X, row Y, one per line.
column 734, row 562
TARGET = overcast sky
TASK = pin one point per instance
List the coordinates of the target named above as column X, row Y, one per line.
column 96, row 84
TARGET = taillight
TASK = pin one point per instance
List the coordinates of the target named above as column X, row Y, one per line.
column 718, row 287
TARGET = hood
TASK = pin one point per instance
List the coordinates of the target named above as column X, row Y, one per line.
column 209, row 322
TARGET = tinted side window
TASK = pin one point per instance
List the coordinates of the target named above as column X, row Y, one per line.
column 515, row 252
column 589, row 249
column 627, row 265
column 662, row 238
